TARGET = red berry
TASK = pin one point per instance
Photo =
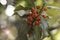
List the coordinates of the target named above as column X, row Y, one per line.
column 41, row 11
column 32, row 9
column 38, row 7
column 44, row 16
column 45, row 8
column 39, row 21
column 34, row 15
column 30, row 18
column 34, row 12
column 38, row 18
column 36, row 22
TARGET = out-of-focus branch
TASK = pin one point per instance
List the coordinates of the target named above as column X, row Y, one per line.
column 50, row 29
column 53, row 7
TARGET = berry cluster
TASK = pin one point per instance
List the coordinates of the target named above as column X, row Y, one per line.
column 33, row 18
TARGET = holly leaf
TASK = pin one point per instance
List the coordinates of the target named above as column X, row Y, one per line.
column 24, row 4
column 30, row 3
column 37, row 32
column 22, row 28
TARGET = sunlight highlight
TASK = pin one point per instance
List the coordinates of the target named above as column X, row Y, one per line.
column 10, row 10
column 3, row 2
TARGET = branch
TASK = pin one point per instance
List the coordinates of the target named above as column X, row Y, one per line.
column 53, row 7
column 50, row 29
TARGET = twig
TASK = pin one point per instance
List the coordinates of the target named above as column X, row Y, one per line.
column 50, row 29
column 53, row 7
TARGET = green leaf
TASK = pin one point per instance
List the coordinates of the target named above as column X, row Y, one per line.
column 24, row 4
column 37, row 32
column 30, row 3
column 22, row 28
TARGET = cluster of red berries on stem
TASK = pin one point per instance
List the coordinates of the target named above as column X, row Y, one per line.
column 33, row 18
